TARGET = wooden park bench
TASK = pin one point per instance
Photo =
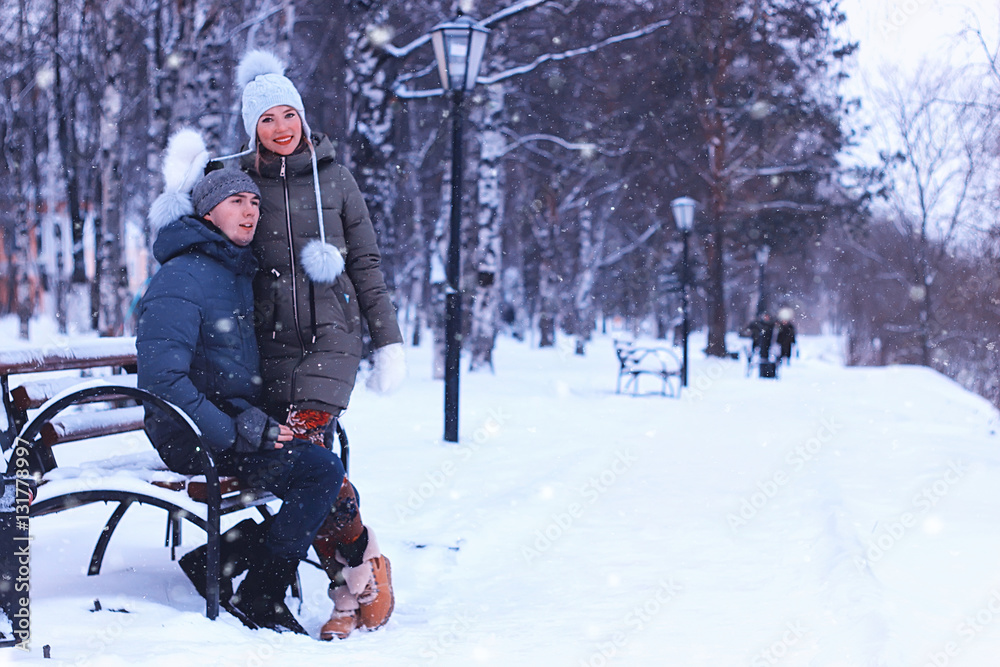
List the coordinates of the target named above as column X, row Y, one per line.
column 637, row 361
column 81, row 392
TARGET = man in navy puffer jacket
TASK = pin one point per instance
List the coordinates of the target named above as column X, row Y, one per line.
column 197, row 349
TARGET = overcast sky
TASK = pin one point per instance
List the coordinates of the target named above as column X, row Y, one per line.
column 899, row 35
column 902, row 32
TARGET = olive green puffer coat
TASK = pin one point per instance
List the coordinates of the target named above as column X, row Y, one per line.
column 309, row 333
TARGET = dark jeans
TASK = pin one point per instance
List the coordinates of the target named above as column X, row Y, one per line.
column 307, row 478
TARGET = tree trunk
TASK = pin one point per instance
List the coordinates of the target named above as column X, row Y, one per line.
column 548, row 297
column 716, row 293
column 715, row 240
column 18, row 152
column 56, row 233
column 925, row 314
column 439, row 280
column 546, row 330
column 371, row 137
column 112, row 275
column 488, row 253
column 591, row 242
column 68, row 153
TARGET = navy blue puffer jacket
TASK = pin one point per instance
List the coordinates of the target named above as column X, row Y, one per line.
column 196, row 345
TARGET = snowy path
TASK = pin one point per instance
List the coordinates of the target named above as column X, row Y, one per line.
column 834, row 517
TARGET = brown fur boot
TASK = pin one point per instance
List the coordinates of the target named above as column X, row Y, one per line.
column 370, row 581
column 376, row 602
column 360, row 576
column 344, row 618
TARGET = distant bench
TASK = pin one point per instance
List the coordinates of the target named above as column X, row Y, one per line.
column 44, row 408
column 639, row 361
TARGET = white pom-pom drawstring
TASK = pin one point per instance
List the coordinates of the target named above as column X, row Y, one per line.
column 322, row 261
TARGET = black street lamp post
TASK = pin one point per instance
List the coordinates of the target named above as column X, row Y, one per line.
column 762, row 254
column 683, row 208
column 459, row 46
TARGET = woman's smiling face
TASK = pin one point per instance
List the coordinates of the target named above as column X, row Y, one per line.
column 279, row 130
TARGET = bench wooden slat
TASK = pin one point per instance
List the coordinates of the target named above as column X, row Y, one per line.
column 114, row 352
column 176, row 485
column 80, row 426
column 34, row 393
column 197, row 489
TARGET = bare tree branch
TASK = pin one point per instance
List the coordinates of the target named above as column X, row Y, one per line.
column 782, row 205
column 586, row 147
column 400, row 89
column 635, row 245
column 506, row 13
column 991, row 58
column 554, row 57
column 513, row 10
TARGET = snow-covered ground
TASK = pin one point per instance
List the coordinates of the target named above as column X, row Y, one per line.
column 836, row 516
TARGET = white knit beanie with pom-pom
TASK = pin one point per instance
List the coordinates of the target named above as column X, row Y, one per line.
column 261, row 75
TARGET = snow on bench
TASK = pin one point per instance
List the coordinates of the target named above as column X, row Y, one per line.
column 90, row 354
column 32, row 394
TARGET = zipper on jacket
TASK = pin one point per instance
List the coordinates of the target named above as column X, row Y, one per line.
column 291, row 258
column 312, row 309
column 275, row 295
column 295, row 290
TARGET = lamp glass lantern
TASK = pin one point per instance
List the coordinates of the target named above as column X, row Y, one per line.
column 683, row 208
column 763, row 253
column 459, row 46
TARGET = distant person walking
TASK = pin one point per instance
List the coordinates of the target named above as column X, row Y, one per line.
column 786, row 337
column 761, row 332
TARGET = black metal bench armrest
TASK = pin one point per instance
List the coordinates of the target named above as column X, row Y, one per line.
column 41, row 458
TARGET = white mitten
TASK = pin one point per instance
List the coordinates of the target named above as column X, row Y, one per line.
column 389, row 370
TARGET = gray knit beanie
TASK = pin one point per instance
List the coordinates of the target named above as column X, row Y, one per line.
column 218, row 185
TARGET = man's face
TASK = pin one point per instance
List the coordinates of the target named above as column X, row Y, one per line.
column 236, row 217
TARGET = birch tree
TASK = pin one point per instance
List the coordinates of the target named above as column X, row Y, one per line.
column 487, row 262
column 19, row 129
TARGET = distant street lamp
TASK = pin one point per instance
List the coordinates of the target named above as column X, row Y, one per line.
column 459, row 46
column 762, row 254
column 683, row 208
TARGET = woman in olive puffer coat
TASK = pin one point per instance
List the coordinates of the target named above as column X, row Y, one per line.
column 310, row 331
column 320, row 274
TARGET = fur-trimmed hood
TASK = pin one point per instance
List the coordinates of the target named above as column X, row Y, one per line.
column 184, row 164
